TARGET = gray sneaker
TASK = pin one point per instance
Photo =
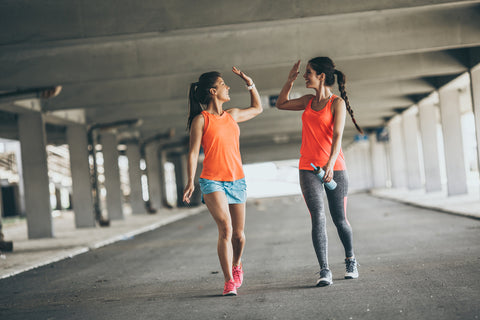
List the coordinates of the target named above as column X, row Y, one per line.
column 325, row 278
column 351, row 268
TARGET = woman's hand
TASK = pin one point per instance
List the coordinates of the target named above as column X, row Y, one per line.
column 328, row 173
column 240, row 115
column 292, row 76
column 187, row 192
column 242, row 75
column 283, row 100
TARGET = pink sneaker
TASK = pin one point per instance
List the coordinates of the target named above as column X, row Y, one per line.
column 230, row 289
column 237, row 272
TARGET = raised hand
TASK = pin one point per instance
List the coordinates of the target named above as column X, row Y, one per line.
column 292, row 76
column 242, row 75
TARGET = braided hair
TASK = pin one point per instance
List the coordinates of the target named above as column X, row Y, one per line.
column 325, row 65
column 200, row 94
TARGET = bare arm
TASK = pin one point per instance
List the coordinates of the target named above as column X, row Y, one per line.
column 283, row 103
column 240, row 115
column 339, row 112
column 196, row 132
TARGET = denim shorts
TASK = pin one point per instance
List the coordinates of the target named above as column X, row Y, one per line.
column 236, row 191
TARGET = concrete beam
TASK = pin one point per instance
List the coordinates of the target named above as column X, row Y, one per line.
column 155, row 89
column 108, row 18
column 362, row 35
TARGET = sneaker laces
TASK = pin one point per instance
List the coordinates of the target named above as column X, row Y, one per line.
column 351, row 264
column 237, row 269
column 319, row 272
column 229, row 286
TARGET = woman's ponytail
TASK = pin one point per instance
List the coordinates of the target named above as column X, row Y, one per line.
column 194, row 104
column 341, row 80
column 200, row 94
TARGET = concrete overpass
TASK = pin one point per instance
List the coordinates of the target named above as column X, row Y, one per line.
column 125, row 68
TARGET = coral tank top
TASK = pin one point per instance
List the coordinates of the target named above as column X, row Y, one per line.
column 317, row 134
column 221, row 144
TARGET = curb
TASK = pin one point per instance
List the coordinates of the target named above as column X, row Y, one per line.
column 430, row 207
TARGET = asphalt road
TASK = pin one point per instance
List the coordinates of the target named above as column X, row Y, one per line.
column 415, row 264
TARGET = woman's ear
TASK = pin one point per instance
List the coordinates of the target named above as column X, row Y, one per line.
column 321, row 76
column 213, row 91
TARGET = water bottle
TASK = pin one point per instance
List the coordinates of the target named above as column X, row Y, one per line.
column 321, row 173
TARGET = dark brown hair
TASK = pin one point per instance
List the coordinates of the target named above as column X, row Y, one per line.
column 200, row 94
column 326, row 65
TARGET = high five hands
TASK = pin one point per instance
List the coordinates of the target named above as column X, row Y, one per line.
column 292, row 76
column 242, row 75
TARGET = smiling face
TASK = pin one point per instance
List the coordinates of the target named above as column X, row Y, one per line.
column 221, row 90
column 312, row 80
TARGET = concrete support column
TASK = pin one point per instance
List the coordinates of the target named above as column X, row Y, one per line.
column 397, row 153
column 348, row 154
column 180, row 162
column 6, row 246
column 162, row 159
column 1, row 215
column 16, row 147
column 81, row 188
column 112, row 176
column 352, row 159
column 428, row 130
column 378, row 162
column 475, row 89
column 453, row 142
column 135, row 177
column 365, row 167
column 31, row 130
column 358, row 160
column 410, row 136
column 153, row 175
column 58, row 199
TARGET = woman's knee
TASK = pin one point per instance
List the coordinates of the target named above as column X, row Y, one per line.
column 225, row 230
column 342, row 225
column 238, row 235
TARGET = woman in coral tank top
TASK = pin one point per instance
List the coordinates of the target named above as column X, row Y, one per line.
column 323, row 121
column 222, row 180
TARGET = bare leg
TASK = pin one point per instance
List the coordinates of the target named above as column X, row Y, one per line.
column 237, row 213
column 217, row 204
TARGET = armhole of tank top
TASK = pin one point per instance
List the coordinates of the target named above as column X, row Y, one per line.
column 231, row 117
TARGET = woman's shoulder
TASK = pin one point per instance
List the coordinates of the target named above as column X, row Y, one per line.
column 307, row 100
column 338, row 105
column 338, row 101
column 199, row 119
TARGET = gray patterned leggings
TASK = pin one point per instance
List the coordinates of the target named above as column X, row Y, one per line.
column 312, row 190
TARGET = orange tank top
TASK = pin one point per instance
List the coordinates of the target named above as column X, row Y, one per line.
column 317, row 135
column 220, row 142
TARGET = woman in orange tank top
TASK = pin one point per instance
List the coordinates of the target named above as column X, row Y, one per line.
column 323, row 121
column 222, row 179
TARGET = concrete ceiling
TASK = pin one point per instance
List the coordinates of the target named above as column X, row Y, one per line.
column 135, row 59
